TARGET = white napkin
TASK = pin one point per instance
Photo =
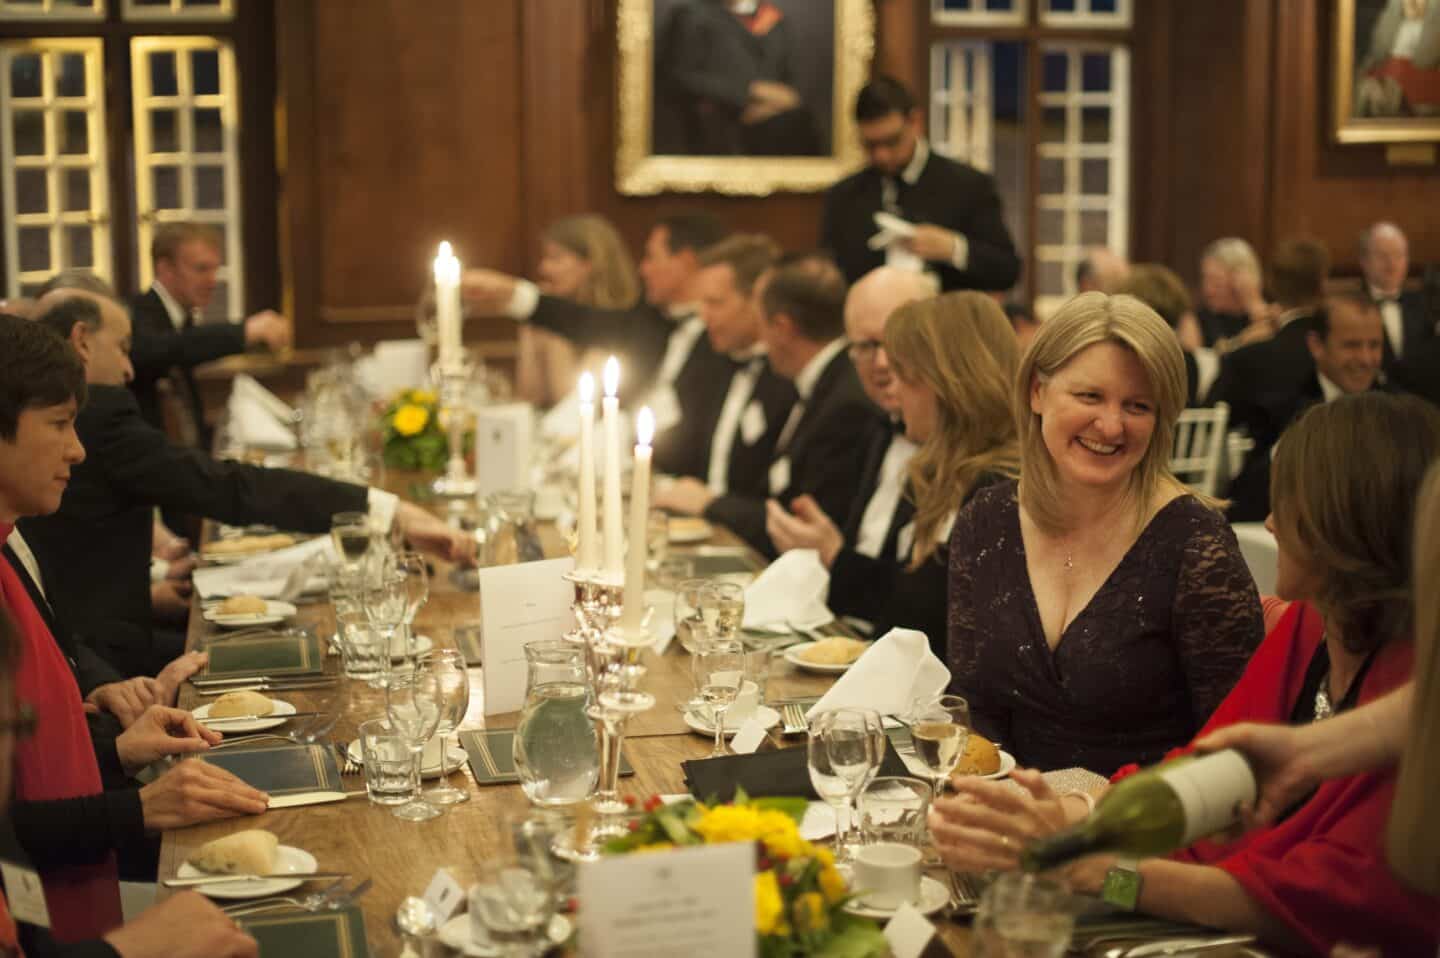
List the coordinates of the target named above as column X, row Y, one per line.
column 283, row 574
column 895, row 672
column 258, row 417
column 790, row 593
column 662, row 617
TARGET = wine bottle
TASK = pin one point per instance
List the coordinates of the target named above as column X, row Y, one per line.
column 1155, row 811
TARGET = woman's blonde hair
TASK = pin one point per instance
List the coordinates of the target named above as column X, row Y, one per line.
column 961, row 347
column 1088, row 320
column 612, row 283
column 1234, row 254
column 1413, row 841
column 1342, row 490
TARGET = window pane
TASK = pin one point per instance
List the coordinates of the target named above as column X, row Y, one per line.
column 1103, row 6
column 1095, row 124
column 209, row 188
column 32, row 195
column 199, row 3
column 25, row 77
column 219, row 309
column 162, row 74
column 1052, row 124
column 29, row 127
column 1050, row 280
column 70, row 75
column 1060, row 6
column 167, row 187
column 164, row 137
column 955, row 5
column 1095, row 72
column 1057, row 66
column 75, row 190
column 208, row 135
column 79, row 247
column 1051, row 228
column 1000, row 6
column 1094, row 227
column 78, row 4
column 1095, row 176
column 1051, row 176
column 34, row 249
column 74, row 132
column 205, row 72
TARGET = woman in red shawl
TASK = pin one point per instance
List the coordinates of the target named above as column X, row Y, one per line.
column 1343, row 492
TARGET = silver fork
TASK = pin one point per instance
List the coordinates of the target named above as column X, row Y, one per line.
column 348, row 766
column 794, row 715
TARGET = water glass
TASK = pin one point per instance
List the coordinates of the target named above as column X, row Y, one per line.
column 690, row 627
column 412, row 703
column 365, row 652
column 1023, row 916
column 893, row 809
column 453, row 681
column 758, row 664
column 385, row 601
column 390, row 774
column 673, row 570
column 657, row 536
column 719, row 670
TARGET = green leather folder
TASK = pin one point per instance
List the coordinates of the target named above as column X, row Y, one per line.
column 268, row 655
column 288, row 770
column 323, row 934
column 492, row 759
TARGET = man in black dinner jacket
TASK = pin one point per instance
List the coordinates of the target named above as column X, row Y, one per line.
column 1385, row 260
column 94, row 553
column 802, row 326
column 754, row 401
column 960, row 232
column 667, row 363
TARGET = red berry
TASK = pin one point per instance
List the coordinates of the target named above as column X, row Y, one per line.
column 653, row 802
column 572, row 904
column 787, row 880
column 763, row 864
column 633, row 826
column 628, row 799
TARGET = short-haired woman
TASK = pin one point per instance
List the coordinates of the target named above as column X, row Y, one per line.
column 1099, row 611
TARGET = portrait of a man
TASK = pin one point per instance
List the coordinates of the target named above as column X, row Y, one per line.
column 1397, row 59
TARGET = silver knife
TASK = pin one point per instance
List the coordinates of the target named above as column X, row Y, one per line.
column 312, row 798
column 286, row 716
column 233, row 879
column 265, row 687
column 1186, row 946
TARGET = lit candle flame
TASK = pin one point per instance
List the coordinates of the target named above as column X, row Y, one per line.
column 587, row 388
column 445, row 250
column 644, row 427
column 612, row 376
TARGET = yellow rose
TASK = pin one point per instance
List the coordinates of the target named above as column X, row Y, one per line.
column 810, row 913
column 729, row 823
column 410, row 419
column 832, row 883
column 768, row 903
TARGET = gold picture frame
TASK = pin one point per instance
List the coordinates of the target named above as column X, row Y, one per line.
column 1371, row 108
column 639, row 171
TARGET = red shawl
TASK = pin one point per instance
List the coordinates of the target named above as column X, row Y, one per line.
column 1321, row 871
column 58, row 761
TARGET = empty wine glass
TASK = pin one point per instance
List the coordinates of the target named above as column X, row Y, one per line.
column 828, row 784
column 416, row 573
column 515, row 893
column 453, row 681
column 412, row 703
column 719, row 670
column 850, row 742
column 385, row 600
column 939, row 734
column 690, row 627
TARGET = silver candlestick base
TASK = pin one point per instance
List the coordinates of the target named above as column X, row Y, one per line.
column 457, row 483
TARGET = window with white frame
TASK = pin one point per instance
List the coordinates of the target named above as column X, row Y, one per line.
column 52, row 9
column 993, row 13
column 187, row 152
column 178, row 9
column 1085, row 13
column 55, row 187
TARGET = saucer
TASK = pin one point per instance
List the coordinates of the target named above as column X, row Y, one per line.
column 769, row 718
column 933, row 897
column 455, row 934
column 431, row 767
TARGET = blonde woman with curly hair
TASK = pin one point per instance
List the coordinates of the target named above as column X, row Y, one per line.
column 1099, row 611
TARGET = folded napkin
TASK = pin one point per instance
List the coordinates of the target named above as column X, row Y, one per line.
column 897, row 671
column 394, row 365
column 763, row 774
column 790, row 593
column 258, row 417
column 283, row 574
column 662, row 617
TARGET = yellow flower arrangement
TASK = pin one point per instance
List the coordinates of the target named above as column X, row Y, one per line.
column 414, row 432
column 410, row 419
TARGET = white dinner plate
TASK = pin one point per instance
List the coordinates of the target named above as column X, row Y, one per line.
column 769, row 718
column 277, row 717
column 275, row 613
column 456, row 934
column 287, row 859
column 689, row 529
column 933, row 897
column 792, row 655
column 423, row 644
column 430, row 767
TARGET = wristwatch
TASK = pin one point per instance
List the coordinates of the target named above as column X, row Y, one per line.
column 1122, row 884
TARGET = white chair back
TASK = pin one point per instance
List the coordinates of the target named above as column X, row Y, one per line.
column 1258, row 547
column 1200, row 448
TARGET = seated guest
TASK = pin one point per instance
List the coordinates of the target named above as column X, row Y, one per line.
column 669, row 364
column 582, row 259
column 69, row 827
column 171, row 340
column 1159, row 288
column 94, row 553
column 1385, row 260
column 746, row 424
column 1232, row 308
column 1110, row 610
column 1101, row 271
column 185, row 925
column 1346, row 479
column 954, row 360
column 1419, row 371
column 802, row 327
column 1261, row 382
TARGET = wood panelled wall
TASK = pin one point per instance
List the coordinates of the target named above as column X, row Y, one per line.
column 482, row 121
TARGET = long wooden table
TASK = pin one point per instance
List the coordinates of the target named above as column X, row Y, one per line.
column 401, row 857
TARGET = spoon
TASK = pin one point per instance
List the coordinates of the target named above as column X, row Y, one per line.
column 415, row 919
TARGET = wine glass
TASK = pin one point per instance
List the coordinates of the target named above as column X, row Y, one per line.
column 514, row 896
column 412, row 566
column 850, row 743
column 723, row 606
column 690, row 627
column 412, row 702
column 828, row 784
column 939, row 734
column 719, row 670
column 351, row 533
column 448, row 666
column 384, row 600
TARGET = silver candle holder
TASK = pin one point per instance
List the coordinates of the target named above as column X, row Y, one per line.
column 454, row 383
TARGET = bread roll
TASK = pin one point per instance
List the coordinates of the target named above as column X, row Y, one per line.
column 981, row 757
column 241, row 545
column 833, row 651
column 249, row 852
column 241, row 703
column 243, row 605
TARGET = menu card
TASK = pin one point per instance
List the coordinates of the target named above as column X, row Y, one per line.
column 287, row 770
column 519, row 604
column 267, row 655
column 693, row 901
column 323, row 934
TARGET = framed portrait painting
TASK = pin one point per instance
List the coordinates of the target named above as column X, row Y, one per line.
column 1386, row 84
column 739, row 96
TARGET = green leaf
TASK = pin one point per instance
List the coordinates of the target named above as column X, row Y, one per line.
column 854, row 937
column 794, row 807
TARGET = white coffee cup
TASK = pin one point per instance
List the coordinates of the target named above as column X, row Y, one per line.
column 744, row 706
column 887, row 875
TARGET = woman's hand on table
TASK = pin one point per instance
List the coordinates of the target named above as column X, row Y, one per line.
column 986, row 824
column 428, row 533
column 185, row 926
column 126, row 700
column 175, row 674
column 805, row 526
column 196, row 792
column 160, row 732
column 685, row 495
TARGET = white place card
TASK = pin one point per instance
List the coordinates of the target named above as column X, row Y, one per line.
column 908, row 932
column 519, row 604
column 502, row 447
column 749, row 737
column 444, row 895
column 693, row 901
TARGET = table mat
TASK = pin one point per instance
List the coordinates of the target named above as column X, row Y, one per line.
column 266, row 655
column 323, row 934
column 288, row 770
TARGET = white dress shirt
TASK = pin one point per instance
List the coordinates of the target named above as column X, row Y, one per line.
column 1328, row 389
column 177, row 313
column 805, row 385
column 875, row 521
column 27, row 559
column 662, row 399
column 737, row 398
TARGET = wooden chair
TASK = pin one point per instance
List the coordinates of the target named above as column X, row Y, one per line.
column 1200, row 448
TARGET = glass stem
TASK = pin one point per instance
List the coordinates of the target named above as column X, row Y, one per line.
column 419, row 761
column 719, row 712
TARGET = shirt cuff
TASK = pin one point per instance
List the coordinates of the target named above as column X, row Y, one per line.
column 382, row 506
column 523, row 301
column 960, row 255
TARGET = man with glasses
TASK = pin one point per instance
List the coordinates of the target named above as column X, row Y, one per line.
column 960, row 232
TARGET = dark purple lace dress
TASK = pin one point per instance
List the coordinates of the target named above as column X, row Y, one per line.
column 1140, row 668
